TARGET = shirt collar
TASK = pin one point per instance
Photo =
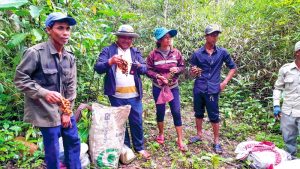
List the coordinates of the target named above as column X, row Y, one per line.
column 202, row 49
column 157, row 50
column 293, row 65
column 53, row 50
column 118, row 48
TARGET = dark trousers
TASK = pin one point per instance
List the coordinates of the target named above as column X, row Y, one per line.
column 208, row 101
column 135, row 121
column 71, row 144
column 174, row 106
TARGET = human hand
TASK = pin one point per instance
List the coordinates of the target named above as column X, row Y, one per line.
column 195, row 71
column 174, row 69
column 162, row 78
column 116, row 59
column 66, row 121
column 138, row 64
column 277, row 112
column 53, row 97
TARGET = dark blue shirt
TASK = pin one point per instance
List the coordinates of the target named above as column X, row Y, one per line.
column 102, row 66
column 210, row 79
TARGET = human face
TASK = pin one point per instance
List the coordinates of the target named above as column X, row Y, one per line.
column 124, row 42
column 166, row 40
column 59, row 33
column 297, row 55
column 212, row 38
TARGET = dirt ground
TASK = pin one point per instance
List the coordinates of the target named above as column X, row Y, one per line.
column 168, row 156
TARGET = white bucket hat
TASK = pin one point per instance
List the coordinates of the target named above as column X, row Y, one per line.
column 126, row 30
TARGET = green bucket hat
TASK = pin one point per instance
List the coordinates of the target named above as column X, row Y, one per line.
column 161, row 32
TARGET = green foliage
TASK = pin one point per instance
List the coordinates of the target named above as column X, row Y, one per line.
column 84, row 126
column 265, row 136
column 6, row 4
column 14, row 151
column 259, row 34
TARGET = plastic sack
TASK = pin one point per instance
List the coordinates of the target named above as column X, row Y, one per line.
column 127, row 155
column 261, row 154
column 165, row 95
column 107, row 133
column 85, row 160
column 84, row 156
column 292, row 164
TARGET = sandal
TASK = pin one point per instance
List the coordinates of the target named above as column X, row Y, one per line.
column 145, row 154
column 195, row 139
column 182, row 147
column 218, row 148
column 160, row 139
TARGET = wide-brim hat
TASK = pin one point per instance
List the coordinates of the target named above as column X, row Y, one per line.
column 161, row 32
column 126, row 30
column 212, row 28
column 297, row 46
column 58, row 16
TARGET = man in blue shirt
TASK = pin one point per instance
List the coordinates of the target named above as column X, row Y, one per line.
column 125, row 88
column 206, row 65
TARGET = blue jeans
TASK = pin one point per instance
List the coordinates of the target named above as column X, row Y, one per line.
column 71, row 144
column 135, row 121
column 211, row 102
column 290, row 127
column 174, row 105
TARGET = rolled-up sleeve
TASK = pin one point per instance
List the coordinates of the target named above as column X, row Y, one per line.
column 228, row 61
column 278, row 88
column 23, row 74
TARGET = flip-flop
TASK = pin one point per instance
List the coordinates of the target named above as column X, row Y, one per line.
column 195, row 139
column 182, row 147
column 218, row 148
column 160, row 139
column 145, row 154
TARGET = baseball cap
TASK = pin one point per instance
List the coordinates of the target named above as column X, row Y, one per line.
column 161, row 32
column 58, row 16
column 212, row 28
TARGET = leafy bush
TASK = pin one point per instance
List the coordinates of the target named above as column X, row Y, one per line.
column 15, row 152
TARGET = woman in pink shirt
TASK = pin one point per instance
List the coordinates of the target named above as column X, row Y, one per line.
column 165, row 63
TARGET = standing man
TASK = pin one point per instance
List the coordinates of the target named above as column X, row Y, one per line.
column 288, row 83
column 206, row 65
column 46, row 74
column 123, row 64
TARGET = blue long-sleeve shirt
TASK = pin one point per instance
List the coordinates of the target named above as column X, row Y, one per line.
column 210, row 79
column 102, row 66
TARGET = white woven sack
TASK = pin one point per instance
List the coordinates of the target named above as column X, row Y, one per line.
column 127, row 155
column 106, row 135
column 292, row 164
column 261, row 156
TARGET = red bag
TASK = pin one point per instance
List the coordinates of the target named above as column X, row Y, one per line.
column 165, row 95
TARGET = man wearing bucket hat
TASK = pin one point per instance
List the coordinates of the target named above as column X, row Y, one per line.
column 165, row 64
column 46, row 74
column 288, row 83
column 206, row 65
column 123, row 64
